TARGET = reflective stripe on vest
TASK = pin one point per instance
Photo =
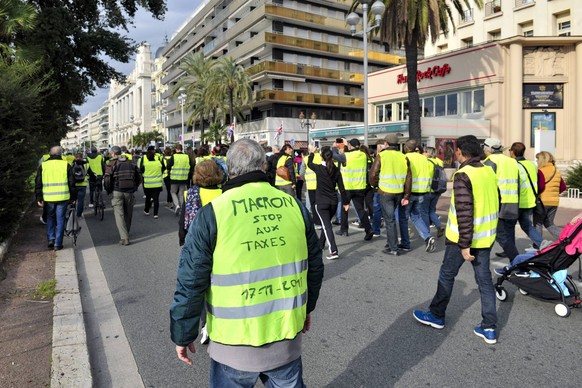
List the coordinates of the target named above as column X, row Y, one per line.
column 181, row 168
column 310, row 178
column 96, row 164
column 258, row 283
column 152, row 176
column 485, row 208
column 393, row 169
column 422, row 171
column 507, row 177
column 55, row 181
column 527, row 198
column 278, row 180
column 354, row 173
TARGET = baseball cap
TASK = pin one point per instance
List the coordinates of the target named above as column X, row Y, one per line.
column 355, row 142
column 391, row 139
column 492, row 143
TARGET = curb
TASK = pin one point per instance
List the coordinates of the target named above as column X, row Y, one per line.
column 70, row 355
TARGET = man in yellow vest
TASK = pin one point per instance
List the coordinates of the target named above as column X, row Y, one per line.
column 507, row 172
column 253, row 258
column 470, row 233
column 54, row 188
column 96, row 169
column 180, row 169
column 528, row 191
column 391, row 174
column 355, row 176
column 421, row 170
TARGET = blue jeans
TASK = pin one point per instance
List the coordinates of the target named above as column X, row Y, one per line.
column 413, row 211
column 56, row 212
column 450, row 268
column 286, row 376
column 389, row 203
column 524, row 217
column 428, row 210
column 506, row 237
column 338, row 211
column 81, row 191
column 377, row 214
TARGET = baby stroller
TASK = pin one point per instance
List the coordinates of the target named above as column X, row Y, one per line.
column 558, row 256
column 72, row 228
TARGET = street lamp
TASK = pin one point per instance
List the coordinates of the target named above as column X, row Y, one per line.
column 182, row 101
column 305, row 122
column 353, row 19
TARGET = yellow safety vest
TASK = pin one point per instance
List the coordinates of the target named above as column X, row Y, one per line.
column 422, row 172
column 55, row 181
column 278, row 180
column 393, row 170
column 527, row 197
column 96, row 164
column 70, row 159
column 152, row 176
column 437, row 161
column 206, row 195
column 258, row 284
column 165, row 161
column 310, row 178
column 485, row 208
column 507, row 177
column 354, row 173
column 128, row 156
column 200, row 159
column 181, row 167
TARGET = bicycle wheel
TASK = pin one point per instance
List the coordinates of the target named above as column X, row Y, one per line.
column 97, row 199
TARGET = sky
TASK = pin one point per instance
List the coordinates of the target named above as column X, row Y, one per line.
column 148, row 29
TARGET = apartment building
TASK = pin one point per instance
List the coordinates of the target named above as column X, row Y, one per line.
column 511, row 71
column 301, row 57
column 158, row 111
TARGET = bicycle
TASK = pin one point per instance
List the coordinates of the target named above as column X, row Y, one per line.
column 99, row 208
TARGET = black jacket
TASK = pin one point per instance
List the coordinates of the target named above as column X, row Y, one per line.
column 325, row 191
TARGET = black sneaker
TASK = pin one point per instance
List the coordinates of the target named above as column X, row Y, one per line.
column 342, row 233
column 389, row 252
column 501, row 254
column 403, row 248
column 369, row 235
column 51, row 243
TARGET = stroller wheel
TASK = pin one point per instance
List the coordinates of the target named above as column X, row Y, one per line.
column 562, row 310
column 523, row 292
column 501, row 294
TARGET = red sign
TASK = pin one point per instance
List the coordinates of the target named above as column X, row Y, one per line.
column 435, row 71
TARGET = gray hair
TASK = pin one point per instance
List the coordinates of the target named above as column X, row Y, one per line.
column 430, row 152
column 56, row 150
column 244, row 156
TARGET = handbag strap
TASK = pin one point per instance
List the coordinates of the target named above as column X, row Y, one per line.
column 553, row 175
column 530, row 181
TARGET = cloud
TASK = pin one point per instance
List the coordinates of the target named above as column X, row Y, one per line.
column 146, row 28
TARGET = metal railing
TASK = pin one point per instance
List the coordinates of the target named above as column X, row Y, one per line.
column 303, row 70
column 466, row 17
column 520, row 3
column 492, row 8
column 280, row 96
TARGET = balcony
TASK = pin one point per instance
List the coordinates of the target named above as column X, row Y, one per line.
column 296, row 15
column 331, row 48
column 307, row 71
column 466, row 18
column 523, row 3
column 493, row 8
column 308, row 98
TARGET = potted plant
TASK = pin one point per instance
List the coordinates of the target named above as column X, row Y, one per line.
column 496, row 8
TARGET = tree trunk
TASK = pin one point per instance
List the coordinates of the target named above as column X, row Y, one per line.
column 201, row 130
column 411, row 48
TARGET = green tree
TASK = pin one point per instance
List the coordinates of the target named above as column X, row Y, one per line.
column 143, row 139
column 76, row 41
column 216, row 132
column 409, row 24
column 15, row 16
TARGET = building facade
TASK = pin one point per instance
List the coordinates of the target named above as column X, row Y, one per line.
column 301, row 57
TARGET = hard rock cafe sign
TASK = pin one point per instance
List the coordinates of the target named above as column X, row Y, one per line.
column 435, row 71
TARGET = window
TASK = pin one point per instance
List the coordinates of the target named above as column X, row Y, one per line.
column 527, row 28
column 440, row 106
column 528, row 33
column 388, row 112
column 347, row 91
column 478, row 100
column 277, row 84
column 473, row 101
column 404, row 110
column 428, row 110
column 564, row 28
column 277, row 27
column 494, row 35
column 452, row 104
column 380, row 113
column 442, row 48
column 467, row 42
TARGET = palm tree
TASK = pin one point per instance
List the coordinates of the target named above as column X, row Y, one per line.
column 409, row 24
column 232, row 83
column 216, row 132
column 15, row 16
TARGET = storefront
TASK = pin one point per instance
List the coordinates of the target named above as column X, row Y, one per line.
column 510, row 89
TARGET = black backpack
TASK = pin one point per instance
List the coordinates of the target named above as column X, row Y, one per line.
column 79, row 172
column 439, row 179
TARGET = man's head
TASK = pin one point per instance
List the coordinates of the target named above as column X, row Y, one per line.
column 268, row 149
column 93, row 150
column 115, row 151
column 391, row 140
column 517, row 149
column 179, row 147
column 56, row 150
column 492, row 145
column 244, row 156
column 468, row 147
column 429, row 152
column 124, row 149
column 410, row 146
column 353, row 144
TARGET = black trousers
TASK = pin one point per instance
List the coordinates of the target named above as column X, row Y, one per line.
column 325, row 212
column 357, row 197
column 311, row 194
column 167, row 183
column 152, row 193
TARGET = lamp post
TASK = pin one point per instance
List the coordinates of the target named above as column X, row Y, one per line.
column 305, row 123
column 182, row 101
column 353, row 19
column 131, row 118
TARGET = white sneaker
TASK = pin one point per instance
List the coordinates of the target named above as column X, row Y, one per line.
column 530, row 249
column 42, row 221
column 318, row 227
column 204, row 336
column 333, row 256
column 91, row 205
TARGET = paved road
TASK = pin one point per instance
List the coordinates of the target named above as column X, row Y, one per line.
column 363, row 333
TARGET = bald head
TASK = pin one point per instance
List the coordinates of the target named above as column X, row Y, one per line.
column 56, row 150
